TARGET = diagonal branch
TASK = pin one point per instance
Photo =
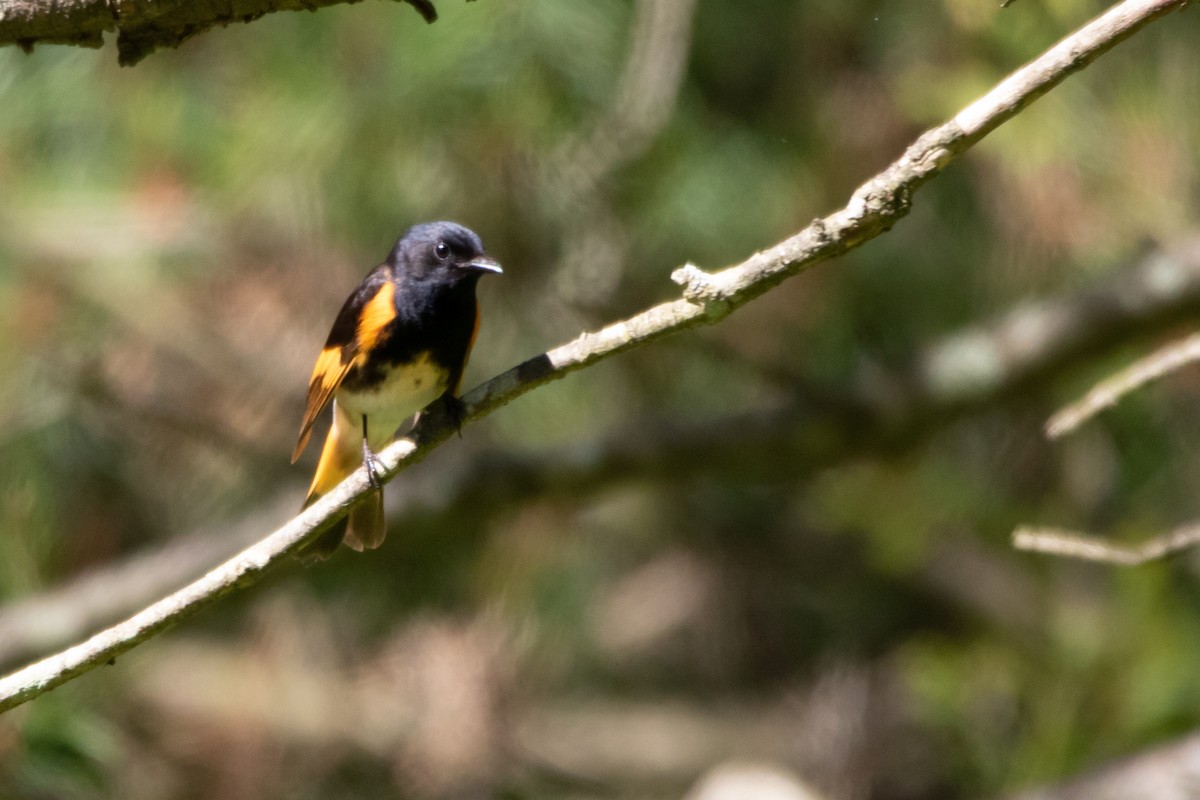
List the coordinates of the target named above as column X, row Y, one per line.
column 142, row 26
column 1086, row 547
column 1108, row 393
column 971, row 369
column 707, row 298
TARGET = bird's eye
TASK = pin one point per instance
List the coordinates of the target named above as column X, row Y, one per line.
column 442, row 250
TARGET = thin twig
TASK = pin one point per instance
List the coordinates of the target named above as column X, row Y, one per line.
column 707, row 298
column 1108, row 392
column 1072, row 544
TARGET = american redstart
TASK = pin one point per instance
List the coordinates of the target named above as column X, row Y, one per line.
column 400, row 342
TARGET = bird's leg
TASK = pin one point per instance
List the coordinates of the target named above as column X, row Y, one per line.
column 370, row 460
column 456, row 411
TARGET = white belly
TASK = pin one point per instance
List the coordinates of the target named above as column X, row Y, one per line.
column 393, row 402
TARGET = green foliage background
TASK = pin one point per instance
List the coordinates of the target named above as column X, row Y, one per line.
column 175, row 238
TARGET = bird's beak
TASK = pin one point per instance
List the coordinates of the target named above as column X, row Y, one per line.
column 485, row 263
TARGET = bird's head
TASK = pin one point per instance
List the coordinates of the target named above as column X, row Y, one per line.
column 442, row 249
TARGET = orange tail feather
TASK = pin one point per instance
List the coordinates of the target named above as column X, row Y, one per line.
column 363, row 528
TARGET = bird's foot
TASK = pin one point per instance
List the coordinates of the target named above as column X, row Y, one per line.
column 374, row 466
column 456, row 411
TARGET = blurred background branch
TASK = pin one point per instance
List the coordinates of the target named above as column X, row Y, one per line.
column 576, row 178
column 1108, row 393
column 1092, row 548
column 1104, row 395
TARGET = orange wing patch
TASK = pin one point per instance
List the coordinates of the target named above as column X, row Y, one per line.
column 327, row 375
column 376, row 316
column 337, row 359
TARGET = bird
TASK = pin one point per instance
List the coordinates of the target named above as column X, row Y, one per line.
column 400, row 342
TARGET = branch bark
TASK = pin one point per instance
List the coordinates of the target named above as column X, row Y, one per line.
column 707, row 299
column 142, row 26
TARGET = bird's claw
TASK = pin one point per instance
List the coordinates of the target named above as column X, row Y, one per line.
column 456, row 412
column 373, row 465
